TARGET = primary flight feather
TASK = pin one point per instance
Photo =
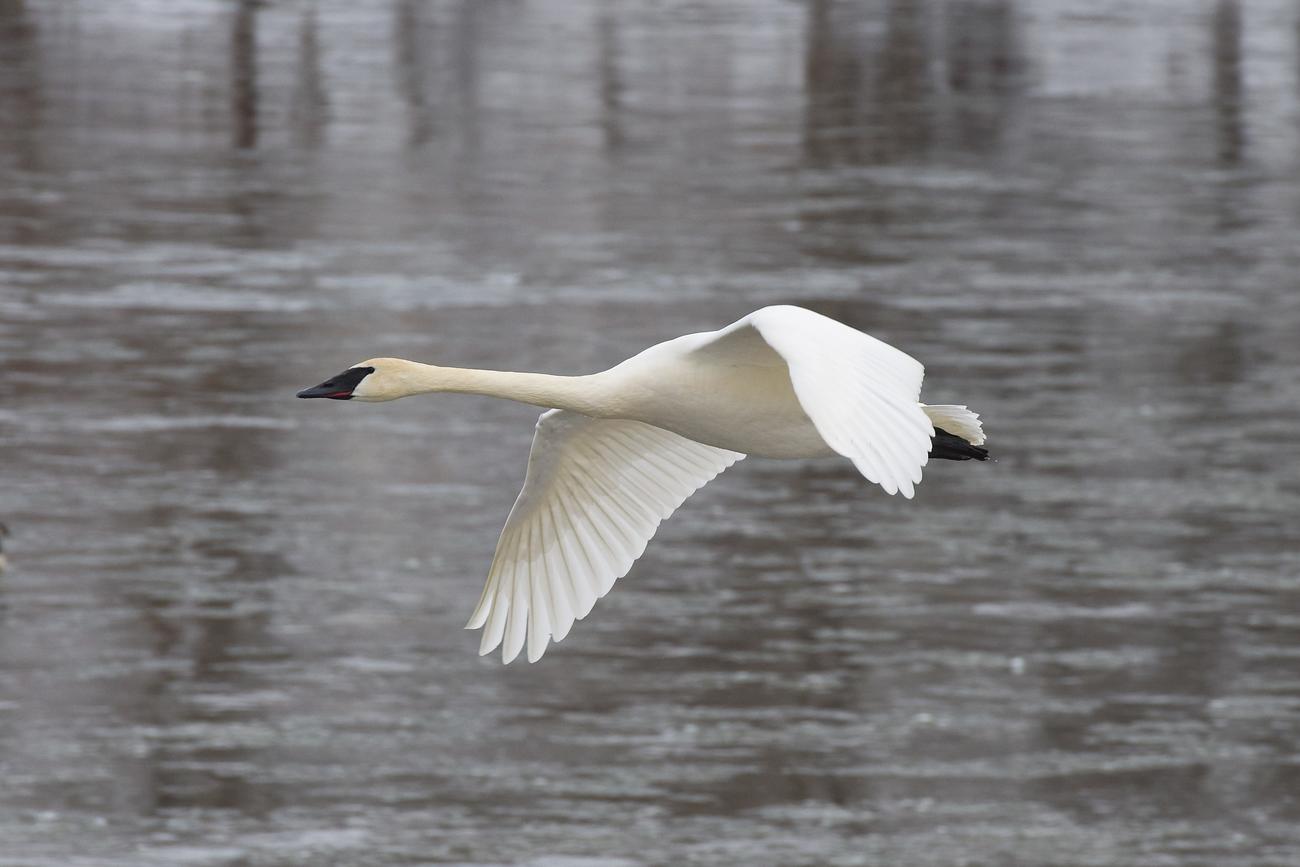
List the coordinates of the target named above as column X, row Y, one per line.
column 617, row 452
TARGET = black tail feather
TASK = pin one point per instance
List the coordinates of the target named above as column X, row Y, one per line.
column 950, row 447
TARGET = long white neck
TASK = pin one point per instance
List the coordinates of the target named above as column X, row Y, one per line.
column 577, row 393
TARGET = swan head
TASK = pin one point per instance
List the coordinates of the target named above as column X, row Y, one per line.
column 373, row 380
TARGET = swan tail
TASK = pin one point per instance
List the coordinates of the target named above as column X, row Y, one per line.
column 958, row 433
column 958, row 421
column 954, row 448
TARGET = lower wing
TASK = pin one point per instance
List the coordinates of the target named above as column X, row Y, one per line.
column 595, row 492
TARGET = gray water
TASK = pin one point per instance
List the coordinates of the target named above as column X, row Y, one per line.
column 231, row 629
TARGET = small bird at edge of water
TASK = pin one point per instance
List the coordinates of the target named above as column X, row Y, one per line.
column 617, row 452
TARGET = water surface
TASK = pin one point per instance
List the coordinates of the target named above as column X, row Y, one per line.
column 231, row 630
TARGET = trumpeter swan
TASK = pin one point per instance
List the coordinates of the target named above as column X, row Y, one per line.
column 617, row 452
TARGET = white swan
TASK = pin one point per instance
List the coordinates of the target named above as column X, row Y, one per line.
column 622, row 449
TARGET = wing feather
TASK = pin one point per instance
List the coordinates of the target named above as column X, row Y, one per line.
column 592, row 534
column 861, row 394
column 564, row 600
column 595, row 492
column 517, row 616
column 582, row 558
column 497, row 601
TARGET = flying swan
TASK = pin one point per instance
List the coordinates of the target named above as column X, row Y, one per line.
column 617, row 452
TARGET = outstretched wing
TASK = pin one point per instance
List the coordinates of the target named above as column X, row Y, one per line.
column 861, row 394
column 595, row 492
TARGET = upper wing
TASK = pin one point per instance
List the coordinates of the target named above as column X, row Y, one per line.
column 861, row 394
column 595, row 492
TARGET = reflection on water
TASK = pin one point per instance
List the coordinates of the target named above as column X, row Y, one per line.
column 231, row 632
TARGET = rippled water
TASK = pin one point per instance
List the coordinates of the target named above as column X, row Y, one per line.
column 230, row 633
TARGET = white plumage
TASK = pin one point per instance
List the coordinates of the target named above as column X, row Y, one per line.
column 595, row 493
column 624, row 448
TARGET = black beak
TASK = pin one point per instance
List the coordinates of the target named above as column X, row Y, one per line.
column 339, row 387
column 326, row 389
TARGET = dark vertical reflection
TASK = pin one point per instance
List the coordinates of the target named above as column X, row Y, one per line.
column 985, row 61
column 868, row 97
column 610, row 78
column 1232, row 210
column 902, row 107
column 467, row 39
column 411, row 61
column 831, row 79
column 1226, row 61
column 219, row 618
column 243, row 75
column 20, row 89
column 216, row 641
column 872, row 94
column 310, row 101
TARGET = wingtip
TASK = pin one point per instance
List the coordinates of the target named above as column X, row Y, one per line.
column 481, row 611
column 536, row 645
column 486, row 646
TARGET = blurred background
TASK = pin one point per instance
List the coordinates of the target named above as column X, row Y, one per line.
column 230, row 632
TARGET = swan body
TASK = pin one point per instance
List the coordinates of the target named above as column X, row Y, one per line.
column 618, row 451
